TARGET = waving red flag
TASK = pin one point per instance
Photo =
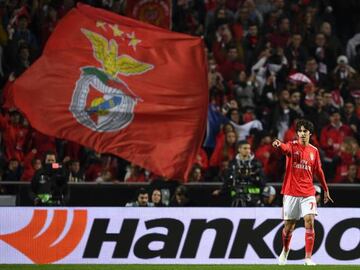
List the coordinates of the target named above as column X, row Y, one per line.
column 120, row 86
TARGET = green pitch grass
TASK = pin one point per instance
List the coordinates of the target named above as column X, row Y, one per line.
column 174, row 267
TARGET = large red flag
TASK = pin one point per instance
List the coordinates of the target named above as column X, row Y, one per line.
column 120, row 86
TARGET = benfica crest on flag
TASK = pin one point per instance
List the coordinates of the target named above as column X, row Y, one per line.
column 120, row 86
column 114, row 110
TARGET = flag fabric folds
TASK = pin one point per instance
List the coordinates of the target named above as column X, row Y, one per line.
column 120, row 86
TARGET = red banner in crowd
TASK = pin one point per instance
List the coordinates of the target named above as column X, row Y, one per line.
column 156, row 12
column 120, row 86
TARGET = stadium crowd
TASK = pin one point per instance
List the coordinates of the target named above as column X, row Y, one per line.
column 270, row 62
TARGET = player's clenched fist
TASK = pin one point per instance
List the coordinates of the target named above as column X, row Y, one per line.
column 276, row 143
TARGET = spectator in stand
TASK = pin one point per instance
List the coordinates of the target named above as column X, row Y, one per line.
column 353, row 175
column 342, row 74
column 75, row 174
column 72, row 150
column 23, row 60
column 245, row 90
column 234, row 116
column 135, row 174
column 254, row 14
column 242, row 18
column 324, row 56
column 224, row 40
column 49, row 24
column 270, row 21
column 356, row 61
column 333, row 134
column 331, row 138
column 202, row 159
column 266, row 154
column 31, row 165
column 49, row 185
column 18, row 36
column 295, row 103
column 142, row 199
column 317, row 77
column 265, row 6
column 332, row 40
column 310, row 92
column 352, row 47
column 329, row 102
column 215, row 18
column 282, row 115
column 268, row 97
column 268, row 197
column 165, row 185
column 214, row 77
column 196, row 174
column 223, row 152
column 318, row 114
column 296, row 53
column 14, row 135
column 281, row 36
column 306, row 26
column 100, row 167
column 348, row 155
column 13, row 171
column 232, row 64
column 181, row 197
column 42, row 143
column 190, row 16
column 357, row 106
column 272, row 62
column 252, row 45
column 156, row 198
column 249, row 124
column 349, row 117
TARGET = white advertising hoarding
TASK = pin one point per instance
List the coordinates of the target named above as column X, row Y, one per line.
column 170, row 236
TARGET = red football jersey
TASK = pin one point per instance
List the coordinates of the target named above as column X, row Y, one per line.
column 302, row 162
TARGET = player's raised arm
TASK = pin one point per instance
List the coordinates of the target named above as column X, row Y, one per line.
column 276, row 143
column 285, row 148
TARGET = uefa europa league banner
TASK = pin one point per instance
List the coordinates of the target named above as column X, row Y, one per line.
column 170, row 236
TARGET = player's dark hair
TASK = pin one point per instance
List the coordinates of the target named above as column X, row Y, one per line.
column 306, row 124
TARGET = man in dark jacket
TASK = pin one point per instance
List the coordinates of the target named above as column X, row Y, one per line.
column 49, row 184
column 244, row 179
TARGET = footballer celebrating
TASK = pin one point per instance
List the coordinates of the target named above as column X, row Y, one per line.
column 302, row 162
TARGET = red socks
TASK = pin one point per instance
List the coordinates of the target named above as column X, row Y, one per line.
column 309, row 242
column 286, row 240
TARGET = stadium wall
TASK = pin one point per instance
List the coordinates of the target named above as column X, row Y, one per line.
column 110, row 194
column 104, row 235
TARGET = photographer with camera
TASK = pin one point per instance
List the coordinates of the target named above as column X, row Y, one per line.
column 244, row 178
column 49, row 184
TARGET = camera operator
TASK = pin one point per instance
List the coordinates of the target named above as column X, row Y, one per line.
column 49, row 184
column 244, row 178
